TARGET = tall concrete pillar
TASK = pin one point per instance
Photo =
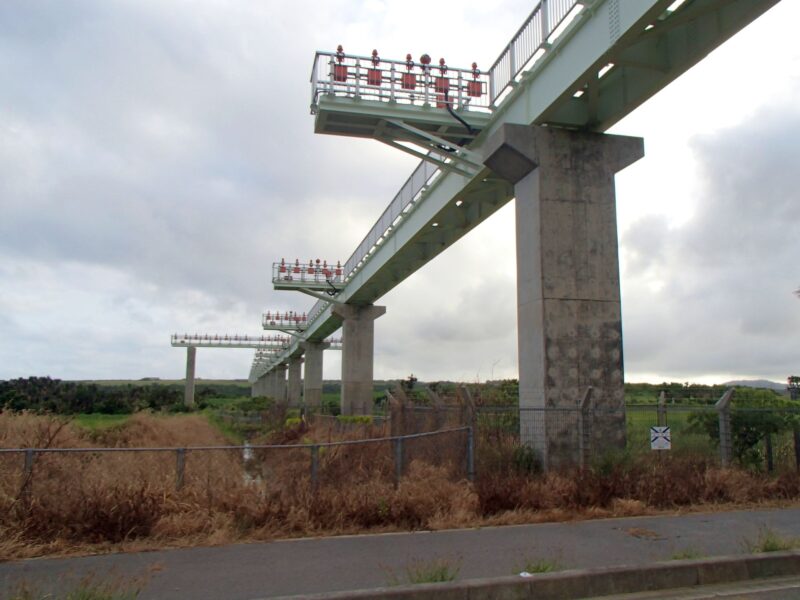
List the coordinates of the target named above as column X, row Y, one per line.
column 269, row 384
column 188, row 392
column 259, row 387
column 358, row 348
column 568, row 294
column 294, row 384
column 312, row 376
column 280, row 383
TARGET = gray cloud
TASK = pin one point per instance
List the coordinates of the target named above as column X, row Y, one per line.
column 157, row 157
column 714, row 295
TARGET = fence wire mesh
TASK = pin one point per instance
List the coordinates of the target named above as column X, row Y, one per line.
column 216, row 476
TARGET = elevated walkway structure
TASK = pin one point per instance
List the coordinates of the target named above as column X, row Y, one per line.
column 573, row 66
column 192, row 342
column 404, row 104
column 206, row 340
column 311, row 277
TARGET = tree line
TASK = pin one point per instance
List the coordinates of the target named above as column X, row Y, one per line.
column 48, row 395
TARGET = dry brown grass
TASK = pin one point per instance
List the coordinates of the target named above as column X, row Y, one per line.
column 121, row 501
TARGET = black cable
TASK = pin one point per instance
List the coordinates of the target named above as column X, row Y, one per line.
column 469, row 129
column 455, row 116
column 333, row 291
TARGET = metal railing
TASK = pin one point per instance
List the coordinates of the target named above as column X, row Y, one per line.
column 319, row 274
column 529, row 39
column 399, row 208
column 225, row 341
column 532, row 36
column 288, row 319
column 182, row 455
column 397, row 81
column 765, row 438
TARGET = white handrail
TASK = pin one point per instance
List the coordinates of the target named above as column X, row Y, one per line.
column 531, row 37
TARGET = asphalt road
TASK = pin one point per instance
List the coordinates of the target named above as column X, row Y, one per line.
column 247, row 571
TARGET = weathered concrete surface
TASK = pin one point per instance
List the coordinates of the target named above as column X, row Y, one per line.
column 358, row 348
column 295, row 381
column 568, row 293
column 272, row 384
column 312, row 376
column 258, row 388
column 280, row 382
column 188, row 392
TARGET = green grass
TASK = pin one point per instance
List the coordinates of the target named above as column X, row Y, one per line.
column 540, row 565
column 231, row 431
column 687, row 554
column 640, row 420
column 770, row 540
column 438, row 570
column 88, row 588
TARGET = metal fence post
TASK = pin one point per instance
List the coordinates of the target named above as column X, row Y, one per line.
column 180, row 465
column 796, row 436
column 584, row 435
column 662, row 409
column 769, row 453
column 545, row 21
column 470, row 454
column 723, row 407
column 398, row 460
column 314, row 466
column 27, row 476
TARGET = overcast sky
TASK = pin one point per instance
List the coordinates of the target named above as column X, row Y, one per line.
column 157, row 156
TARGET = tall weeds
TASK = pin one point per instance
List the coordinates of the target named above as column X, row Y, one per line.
column 93, row 501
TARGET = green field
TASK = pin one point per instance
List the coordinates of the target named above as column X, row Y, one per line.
column 641, row 418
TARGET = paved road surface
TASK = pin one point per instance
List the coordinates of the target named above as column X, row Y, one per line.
column 247, row 571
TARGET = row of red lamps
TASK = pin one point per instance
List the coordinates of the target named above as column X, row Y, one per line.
column 287, row 316
column 313, row 268
column 233, row 338
column 409, row 79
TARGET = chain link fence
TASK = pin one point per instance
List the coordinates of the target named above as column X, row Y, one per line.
column 26, row 473
column 766, row 438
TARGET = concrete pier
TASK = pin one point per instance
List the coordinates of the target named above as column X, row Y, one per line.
column 188, row 392
column 568, row 293
column 280, row 383
column 312, row 376
column 256, row 388
column 260, row 387
column 295, row 381
column 269, row 383
column 358, row 348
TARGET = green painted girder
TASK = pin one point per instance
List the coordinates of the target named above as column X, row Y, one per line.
column 649, row 48
column 358, row 117
column 654, row 50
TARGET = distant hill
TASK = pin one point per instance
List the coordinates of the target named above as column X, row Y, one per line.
column 760, row 383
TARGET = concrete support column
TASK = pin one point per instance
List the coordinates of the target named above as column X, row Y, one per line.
column 260, row 387
column 312, row 376
column 269, row 384
column 188, row 393
column 294, row 386
column 280, row 383
column 568, row 294
column 358, row 348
